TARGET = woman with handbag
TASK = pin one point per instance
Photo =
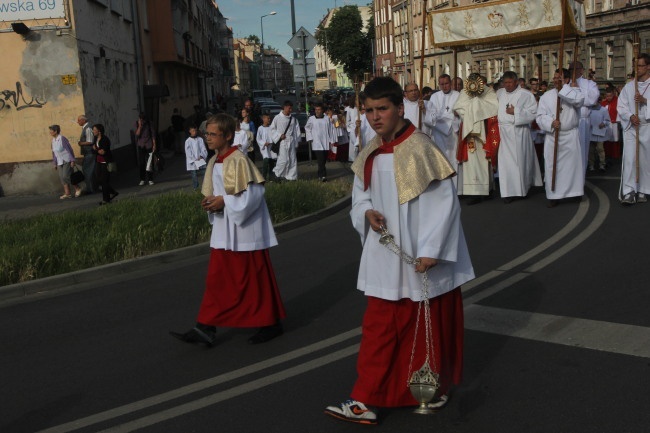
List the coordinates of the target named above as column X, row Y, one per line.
column 105, row 163
column 63, row 158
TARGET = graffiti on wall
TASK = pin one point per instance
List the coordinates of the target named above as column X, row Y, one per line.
column 18, row 99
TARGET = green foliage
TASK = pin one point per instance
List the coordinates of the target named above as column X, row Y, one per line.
column 253, row 39
column 54, row 244
column 346, row 43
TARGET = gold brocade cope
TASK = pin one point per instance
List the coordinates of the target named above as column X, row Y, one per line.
column 238, row 172
column 417, row 163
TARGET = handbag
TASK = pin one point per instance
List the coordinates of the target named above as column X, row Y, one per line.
column 111, row 167
column 77, row 176
column 275, row 147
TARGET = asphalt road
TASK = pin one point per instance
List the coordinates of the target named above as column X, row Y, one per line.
column 557, row 336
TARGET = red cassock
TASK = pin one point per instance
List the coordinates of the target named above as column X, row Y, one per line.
column 241, row 290
column 385, row 353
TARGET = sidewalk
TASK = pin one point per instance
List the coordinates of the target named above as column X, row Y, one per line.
column 173, row 177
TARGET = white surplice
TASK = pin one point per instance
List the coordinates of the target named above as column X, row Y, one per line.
column 570, row 179
column 591, row 93
column 426, row 226
column 626, row 108
column 245, row 223
column 196, row 153
column 443, row 124
column 264, row 137
column 321, row 132
column 518, row 164
column 351, row 117
column 287, row 164
column 412, row 112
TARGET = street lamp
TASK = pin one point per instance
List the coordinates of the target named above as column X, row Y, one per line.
column 262, row 48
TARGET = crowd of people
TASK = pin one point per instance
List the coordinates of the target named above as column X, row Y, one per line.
column 97, row 166
column 507, row 135
column 413, row 156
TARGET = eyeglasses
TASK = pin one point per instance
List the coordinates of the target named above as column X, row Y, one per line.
column 640, row 65
column 213, row 134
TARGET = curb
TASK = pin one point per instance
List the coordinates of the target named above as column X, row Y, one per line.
column 57, row 282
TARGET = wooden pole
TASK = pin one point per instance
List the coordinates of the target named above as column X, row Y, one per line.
column 357, row 128
column 424, row 35
column 635, row 44
column 558, row 106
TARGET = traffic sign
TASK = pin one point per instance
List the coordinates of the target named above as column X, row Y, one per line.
column 299, row 69
column 302, row 40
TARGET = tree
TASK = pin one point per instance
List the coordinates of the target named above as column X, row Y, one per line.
column 254, row 39
column 346, row 43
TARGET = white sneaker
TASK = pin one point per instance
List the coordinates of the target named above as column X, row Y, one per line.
column 353, row 411
column 641, row 198
column 439, row 403
column 151, row 182
column 141, row 183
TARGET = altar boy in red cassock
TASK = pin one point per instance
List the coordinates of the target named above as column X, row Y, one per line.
column 403, row 182
column 240, row 290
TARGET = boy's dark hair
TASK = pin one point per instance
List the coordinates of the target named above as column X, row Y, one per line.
column 384, row 87
column 287, row 103
column 225, row 123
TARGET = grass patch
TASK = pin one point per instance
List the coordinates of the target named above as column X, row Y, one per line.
column 54, row 244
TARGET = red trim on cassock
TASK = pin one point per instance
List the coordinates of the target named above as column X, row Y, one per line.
column 386, row 147
column 385, row 353
column 241, row 290
column 230, row 151
column 491, row 145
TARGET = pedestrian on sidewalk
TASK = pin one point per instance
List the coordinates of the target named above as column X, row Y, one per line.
column 145, row 134
column 63, row 158
column 86, row 145
column 403, row 184
column 240, row 290
column 102, row 147
column 195, row 155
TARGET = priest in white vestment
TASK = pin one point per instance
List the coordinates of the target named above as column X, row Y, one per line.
column 442, row 121
column 569, row 176
column 414, row 107
column 633, row 191
column 518, row 166
column 591, row 94
column 476, row 104
column 286, row 128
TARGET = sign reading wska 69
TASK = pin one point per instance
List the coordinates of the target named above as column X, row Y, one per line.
column 24, row 10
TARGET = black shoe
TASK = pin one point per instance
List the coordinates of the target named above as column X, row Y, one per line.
column 197, row 336
column 551, row 203
column 114, row 195
column 474, row 200
column 266, row 333
column 507, row 200
column 102, row 203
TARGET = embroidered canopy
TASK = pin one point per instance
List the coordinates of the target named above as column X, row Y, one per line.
column 496, row 22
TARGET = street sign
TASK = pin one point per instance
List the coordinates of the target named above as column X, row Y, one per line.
column 302, row 40
column 299, row 69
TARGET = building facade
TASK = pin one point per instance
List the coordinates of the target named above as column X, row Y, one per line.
column 110, row 60
column 607, row 49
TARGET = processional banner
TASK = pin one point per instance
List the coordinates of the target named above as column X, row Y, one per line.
column 506, row 20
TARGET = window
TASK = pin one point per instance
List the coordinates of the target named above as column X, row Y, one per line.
column 592, row 56
column 609, row 50
column 109, row 70
column 98, row 67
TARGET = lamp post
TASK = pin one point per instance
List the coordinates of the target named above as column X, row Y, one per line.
column 262, row 47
